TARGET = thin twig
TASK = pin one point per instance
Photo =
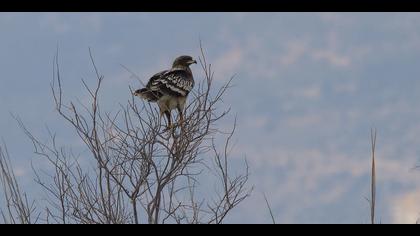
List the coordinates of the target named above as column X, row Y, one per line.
column 373, row 177
column 269, row 209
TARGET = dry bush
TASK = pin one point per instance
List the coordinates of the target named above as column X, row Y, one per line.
column 140, row 173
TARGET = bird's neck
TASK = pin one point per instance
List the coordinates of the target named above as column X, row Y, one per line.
column 179, row 67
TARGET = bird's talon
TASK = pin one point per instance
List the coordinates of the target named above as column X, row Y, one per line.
column 169, row 127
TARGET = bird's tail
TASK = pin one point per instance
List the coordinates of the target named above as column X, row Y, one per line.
column 147, row 94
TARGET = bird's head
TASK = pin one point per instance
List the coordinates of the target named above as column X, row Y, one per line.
column 183, row 61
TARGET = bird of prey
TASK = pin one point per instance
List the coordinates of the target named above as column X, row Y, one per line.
column 170, row 88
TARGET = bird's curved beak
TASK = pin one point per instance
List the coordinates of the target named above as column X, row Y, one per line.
column 193, row 62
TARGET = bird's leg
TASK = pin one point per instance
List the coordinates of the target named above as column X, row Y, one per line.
column 168, row 116
column 181, row 116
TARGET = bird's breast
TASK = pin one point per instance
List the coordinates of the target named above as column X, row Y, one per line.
column 167, row 102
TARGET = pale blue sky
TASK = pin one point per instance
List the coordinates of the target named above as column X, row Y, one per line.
column 308, row 88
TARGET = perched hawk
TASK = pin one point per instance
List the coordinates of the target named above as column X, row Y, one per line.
column 170, row 88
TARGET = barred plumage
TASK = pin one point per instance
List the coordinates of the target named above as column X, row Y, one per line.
column 175, row 82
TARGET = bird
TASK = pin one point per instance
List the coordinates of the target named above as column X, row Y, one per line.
column 170, row 88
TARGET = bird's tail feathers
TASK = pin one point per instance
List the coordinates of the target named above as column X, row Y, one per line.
column 147, row 94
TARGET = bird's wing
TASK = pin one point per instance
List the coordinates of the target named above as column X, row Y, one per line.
column 155, row 79
column 175, row 82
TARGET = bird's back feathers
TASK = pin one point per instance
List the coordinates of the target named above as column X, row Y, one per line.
column 175, row 82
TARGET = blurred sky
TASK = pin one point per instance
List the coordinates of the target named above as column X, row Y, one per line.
column 308, row 89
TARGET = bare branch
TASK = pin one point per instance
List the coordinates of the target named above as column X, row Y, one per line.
column 269, row 209
column 18, row 208
column 373, row 177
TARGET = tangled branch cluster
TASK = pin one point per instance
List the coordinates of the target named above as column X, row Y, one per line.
column 141, row 173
